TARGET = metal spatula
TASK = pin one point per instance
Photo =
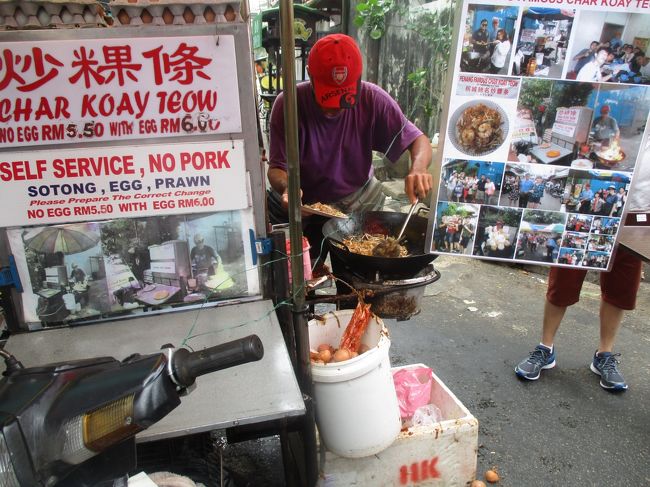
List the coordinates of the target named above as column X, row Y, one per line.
column 391, row 246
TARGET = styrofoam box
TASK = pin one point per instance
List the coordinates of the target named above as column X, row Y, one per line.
column 440, row 454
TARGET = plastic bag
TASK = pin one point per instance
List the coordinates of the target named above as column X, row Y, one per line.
column 426, row 415
column 413, row 387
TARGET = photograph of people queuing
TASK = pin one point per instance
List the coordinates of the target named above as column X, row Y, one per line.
column 472, row 181
column 596, row 192
column 581, row 125
column 533, row 186
column 610, row 48
column 540, row 235
column 544, row 35
column 454, row 229
column 487, row 42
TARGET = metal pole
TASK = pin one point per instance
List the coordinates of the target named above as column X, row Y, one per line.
column 293, row 191
column 295, row 233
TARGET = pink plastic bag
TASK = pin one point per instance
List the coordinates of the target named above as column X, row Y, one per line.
column 413, row 387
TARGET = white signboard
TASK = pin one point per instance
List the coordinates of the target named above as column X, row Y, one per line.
column 58, row 92
column 564, row 129
column 72, row 185
column 567, row 115
column 524, row 179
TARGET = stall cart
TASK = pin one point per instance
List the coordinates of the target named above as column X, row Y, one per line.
column 146, row 136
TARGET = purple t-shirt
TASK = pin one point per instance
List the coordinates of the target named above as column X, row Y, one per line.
column 336, row 152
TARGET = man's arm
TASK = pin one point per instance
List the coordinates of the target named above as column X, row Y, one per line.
column 419, row 182
column 280, row 182
column 278, row 179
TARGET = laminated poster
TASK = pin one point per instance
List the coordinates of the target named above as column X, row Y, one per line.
column 84, row 272
column 548, row 106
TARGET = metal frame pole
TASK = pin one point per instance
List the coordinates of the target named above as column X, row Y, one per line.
column 295, row 233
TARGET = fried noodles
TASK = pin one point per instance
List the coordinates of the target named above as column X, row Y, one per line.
column 479, row 128
column 366, row 243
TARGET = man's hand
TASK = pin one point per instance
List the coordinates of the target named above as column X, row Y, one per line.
column 285, row 200
column 417, row 184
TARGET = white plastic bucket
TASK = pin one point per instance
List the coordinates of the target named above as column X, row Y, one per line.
column 356, row 405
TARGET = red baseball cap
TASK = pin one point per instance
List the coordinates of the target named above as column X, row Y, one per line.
column 335, row 67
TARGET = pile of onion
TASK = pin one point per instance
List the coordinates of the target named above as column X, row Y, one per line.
column 326, row 353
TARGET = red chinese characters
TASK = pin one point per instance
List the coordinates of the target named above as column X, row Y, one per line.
column 42, row 67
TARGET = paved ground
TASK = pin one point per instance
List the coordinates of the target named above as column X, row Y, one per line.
column 563, row 430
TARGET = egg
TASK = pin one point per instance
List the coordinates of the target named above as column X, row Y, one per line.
column 492, row 476
column 477, row 483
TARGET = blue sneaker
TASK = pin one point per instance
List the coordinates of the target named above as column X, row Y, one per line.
column 606, row 366
column 541, row 358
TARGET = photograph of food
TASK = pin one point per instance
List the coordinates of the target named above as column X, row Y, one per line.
column 478, row 127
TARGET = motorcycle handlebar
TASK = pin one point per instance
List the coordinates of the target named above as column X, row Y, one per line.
column 187, row 366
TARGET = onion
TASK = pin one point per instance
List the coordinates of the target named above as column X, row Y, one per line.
column 477, row 483
column 492, row 476
column 341, row 355
column 325, row 355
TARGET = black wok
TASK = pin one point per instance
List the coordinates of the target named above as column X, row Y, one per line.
column 379, row 222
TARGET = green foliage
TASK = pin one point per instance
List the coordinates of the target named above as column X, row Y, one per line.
column 509, row 216
column 372, row 15
column 435, row 31
column 456, row 209
column 538, row 217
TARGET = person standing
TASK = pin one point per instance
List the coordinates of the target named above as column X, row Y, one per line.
column 490, row 189
column 525, row 187
column 537, row 193
column 610, row 201
column 480, row 190
column 513, row 194
column 605, row 128
column 341, row 121
column 203, row 257
column 500, row 53
column 480, row 39
column 585, row 197
column 618, row 287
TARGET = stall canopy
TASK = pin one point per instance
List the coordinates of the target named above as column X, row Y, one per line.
column 548, row 13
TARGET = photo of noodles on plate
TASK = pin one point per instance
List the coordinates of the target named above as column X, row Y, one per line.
column 478, row 128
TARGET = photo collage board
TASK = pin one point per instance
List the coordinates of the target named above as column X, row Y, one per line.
column 545, row 125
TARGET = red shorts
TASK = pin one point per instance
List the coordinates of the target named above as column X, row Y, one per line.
column 618, row 286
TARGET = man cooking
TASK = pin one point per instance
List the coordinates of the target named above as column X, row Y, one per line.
column 605, row 128
column 341, row 121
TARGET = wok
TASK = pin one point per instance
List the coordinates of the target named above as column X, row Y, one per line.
column 379, row 222
column 609, row 162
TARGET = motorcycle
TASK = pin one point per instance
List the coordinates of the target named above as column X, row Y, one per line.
column 74, row 423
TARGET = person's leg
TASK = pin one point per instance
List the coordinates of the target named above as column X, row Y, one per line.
column 563, row 290
column 611, row 318
column 619, row 287
column 551, row 322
